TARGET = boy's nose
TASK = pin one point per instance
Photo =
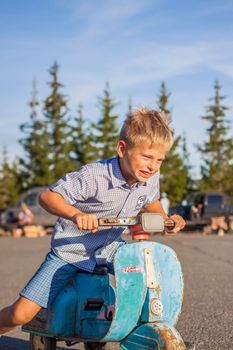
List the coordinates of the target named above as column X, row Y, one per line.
column 153, row 166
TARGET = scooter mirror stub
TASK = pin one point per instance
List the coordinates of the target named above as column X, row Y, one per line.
column 152, row 222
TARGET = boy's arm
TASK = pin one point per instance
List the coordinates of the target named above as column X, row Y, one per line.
column 55, row 204
column 156, row 207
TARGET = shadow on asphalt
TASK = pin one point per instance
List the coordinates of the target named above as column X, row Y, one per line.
column 9, row 343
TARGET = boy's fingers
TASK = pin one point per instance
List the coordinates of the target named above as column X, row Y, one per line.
column 86, row 222
column 80, row 222
column 96, row 223
column 179, row 224
column 170, row 232
column 179, row 221
column 91, row 224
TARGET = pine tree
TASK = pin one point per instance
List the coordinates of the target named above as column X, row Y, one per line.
column 130, row 105
column 83, row 147
column 174, row 174
column 35, row 166
column 107, row 129
column 185, row 152
column 164, row 96
column 217, row 150
column 60, row 143
column 191, row 184
column 228, row 188
column 9, row 184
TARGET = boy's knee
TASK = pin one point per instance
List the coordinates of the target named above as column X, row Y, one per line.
column 20, row 314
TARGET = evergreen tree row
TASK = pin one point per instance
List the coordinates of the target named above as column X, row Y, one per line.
column 217, row 150
column 54, row 143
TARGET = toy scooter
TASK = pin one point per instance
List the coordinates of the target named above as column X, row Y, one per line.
column 139, row 312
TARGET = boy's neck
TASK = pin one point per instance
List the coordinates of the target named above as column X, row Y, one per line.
column 130, row 183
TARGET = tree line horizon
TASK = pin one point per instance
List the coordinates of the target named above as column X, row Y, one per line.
column 54, row 144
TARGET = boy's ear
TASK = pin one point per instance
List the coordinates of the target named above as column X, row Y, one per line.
column 121, row 147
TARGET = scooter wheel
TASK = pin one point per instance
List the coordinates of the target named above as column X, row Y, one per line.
column 94, row 346
column 38, row 342
column 190, row 346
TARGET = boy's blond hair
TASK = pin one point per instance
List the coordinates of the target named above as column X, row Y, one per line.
column 146, row 125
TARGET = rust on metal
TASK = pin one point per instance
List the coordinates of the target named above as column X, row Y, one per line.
column 158, row 290
column 172, row 341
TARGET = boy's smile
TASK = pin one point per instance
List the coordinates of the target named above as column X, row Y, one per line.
column 139, row 163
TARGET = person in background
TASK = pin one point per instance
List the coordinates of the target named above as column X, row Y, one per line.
column 165, row 202
column 25, row 216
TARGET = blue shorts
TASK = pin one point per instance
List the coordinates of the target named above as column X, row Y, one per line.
column 53, row 274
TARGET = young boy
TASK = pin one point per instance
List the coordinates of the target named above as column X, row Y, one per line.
column 118, row 187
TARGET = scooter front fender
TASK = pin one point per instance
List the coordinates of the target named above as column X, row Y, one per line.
column 153, row 336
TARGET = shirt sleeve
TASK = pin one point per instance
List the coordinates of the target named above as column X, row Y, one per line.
column 75, row 186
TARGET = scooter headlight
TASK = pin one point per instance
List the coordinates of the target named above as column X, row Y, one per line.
column 156, row 307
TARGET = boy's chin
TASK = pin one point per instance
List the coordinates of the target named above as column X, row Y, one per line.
column 143, row 178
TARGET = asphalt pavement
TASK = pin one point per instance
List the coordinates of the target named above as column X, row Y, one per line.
column 207, row 263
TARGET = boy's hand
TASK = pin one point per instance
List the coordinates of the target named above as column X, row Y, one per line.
column 86, row 221
column 179, row 223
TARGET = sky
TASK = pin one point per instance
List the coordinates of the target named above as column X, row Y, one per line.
column 134, row 45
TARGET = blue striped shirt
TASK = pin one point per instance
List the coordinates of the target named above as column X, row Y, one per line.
column 98, row 188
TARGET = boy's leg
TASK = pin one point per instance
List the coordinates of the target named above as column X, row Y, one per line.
column 19, row 313
column 39, row 292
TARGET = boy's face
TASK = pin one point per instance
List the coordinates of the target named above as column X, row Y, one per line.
column 139, row 163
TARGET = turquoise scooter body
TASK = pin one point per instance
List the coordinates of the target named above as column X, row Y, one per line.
column 139, row 310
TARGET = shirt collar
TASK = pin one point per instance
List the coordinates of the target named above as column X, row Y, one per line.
column 117, row 176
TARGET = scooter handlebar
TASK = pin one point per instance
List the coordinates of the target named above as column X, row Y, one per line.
column 150, row 222
column 169, row 224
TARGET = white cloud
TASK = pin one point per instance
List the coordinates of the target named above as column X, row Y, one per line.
column 111, row 10
column 158, row 62
column 152, row 64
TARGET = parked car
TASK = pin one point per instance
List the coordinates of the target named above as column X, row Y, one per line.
column 10, row 216
column 201, row 207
